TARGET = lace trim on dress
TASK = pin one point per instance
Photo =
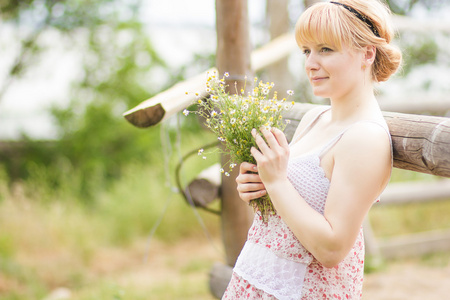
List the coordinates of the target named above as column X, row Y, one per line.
column 266, row 271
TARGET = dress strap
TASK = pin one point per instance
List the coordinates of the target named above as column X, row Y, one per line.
column 309, row 126
column 336, row 139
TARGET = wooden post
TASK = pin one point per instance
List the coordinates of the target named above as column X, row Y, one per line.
column 308, row 3
column 233, row 56
column 278, row 17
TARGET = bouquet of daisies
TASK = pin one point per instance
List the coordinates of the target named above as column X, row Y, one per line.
column 233, row 116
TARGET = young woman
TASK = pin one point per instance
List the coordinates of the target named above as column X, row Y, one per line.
column 324, row 182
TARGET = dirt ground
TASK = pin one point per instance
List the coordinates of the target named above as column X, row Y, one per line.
column 417, row 278
column 409, row 280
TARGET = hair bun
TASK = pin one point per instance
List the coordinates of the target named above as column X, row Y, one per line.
column 387, row 62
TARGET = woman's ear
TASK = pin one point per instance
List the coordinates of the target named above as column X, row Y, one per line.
column 370, row 53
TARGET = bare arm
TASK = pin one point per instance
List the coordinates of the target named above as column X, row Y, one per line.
column 361, row 170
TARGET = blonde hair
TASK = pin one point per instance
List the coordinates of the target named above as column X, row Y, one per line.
column 332, row 24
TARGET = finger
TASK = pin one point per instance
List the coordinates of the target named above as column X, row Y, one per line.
column 260, row 141
column 250, row 187
column 272, row 142
column 246, row 167
column 247, row 197
column 256, row 154
column 248, row 178
column 281, row 137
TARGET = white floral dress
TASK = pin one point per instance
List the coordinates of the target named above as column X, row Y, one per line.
column 273, row 263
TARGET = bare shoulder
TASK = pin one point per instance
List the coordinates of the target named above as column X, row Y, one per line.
column 312, row 114
column 309, row 116
column 363, row 157
column 366, row 141
column 367, row 134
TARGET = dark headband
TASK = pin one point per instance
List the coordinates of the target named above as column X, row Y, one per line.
column 360, row 16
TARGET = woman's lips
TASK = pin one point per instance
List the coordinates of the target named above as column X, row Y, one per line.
column 316, row 79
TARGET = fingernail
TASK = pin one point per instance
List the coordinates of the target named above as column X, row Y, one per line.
column 253, row 131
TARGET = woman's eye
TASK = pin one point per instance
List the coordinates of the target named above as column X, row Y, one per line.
column 325, row 49
column 306, row 52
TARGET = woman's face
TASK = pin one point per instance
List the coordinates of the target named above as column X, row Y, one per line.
column 333, row 73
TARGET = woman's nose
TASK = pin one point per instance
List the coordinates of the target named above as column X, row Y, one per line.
column 311, row 62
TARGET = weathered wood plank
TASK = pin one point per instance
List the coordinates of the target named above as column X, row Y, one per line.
column 219, row 277
column 436, row 105
column 205, row 188
column 173, row 100
column 420, row 143
column 403, row 23
column 415, row 244
column 294, row 116
column 415, row 191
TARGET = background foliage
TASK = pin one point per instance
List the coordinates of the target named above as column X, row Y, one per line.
column 95, row 143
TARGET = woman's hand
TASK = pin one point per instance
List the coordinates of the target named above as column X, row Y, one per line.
column 249, row 184
column 272, row 157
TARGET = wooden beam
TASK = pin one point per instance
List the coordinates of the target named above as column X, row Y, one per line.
column 205, row 188
column 403, row 23
column 173, row 100
column 415, row 244
column 415, row 191
column 167, row 103
column 420, row 143
column 433, row 105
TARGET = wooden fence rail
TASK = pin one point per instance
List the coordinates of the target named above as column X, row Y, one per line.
column 420, row 143
column 158, row 108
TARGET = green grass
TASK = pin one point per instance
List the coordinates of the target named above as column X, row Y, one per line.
column 409, row 218
column 391, row 220
column 51, row 239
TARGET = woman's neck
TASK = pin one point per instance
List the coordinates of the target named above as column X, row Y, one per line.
column 360, row 103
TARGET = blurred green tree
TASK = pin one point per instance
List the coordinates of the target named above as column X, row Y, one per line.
column 94, row 142
column 402, row 7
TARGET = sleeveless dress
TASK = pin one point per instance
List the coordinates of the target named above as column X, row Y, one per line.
column 273, row 264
